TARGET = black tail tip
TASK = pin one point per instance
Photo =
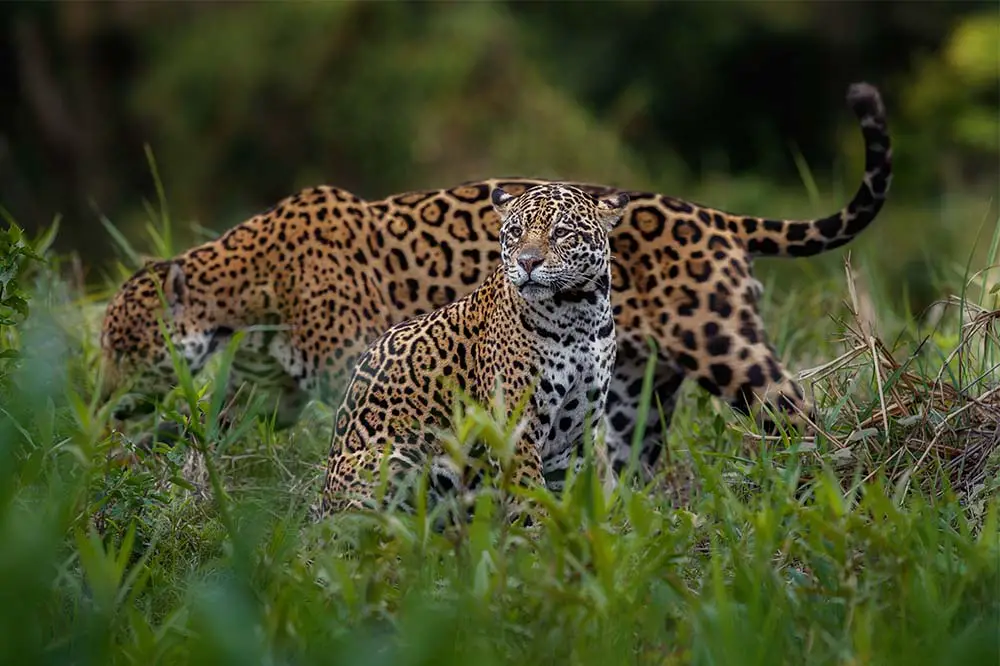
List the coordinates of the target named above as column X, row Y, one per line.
column 865, row 100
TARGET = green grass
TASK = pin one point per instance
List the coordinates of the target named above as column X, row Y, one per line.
column 857, row 548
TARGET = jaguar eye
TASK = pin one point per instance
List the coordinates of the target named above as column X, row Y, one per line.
column 514, row 232
column 561, row 232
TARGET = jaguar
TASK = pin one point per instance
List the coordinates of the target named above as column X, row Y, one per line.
column 314, row 279
column 538, row 331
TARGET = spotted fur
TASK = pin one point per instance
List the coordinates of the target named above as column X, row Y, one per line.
column 539, row 327
column 336, row 271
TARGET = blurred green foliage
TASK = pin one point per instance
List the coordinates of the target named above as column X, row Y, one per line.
column 242, row 103
column 954, row 99
column 17, row 256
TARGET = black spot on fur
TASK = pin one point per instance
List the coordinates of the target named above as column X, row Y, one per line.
column 708, row 385
column 720, row 305
column 620, row 421
column 722, row 374
column 829, row 227
column 810, row 248
column 687, row 361
column 719, row 345
column 676, row 205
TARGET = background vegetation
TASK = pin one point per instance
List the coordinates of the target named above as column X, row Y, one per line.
column 243, row 103
column 876, row 543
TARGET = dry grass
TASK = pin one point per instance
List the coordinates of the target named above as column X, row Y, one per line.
column 941, row 427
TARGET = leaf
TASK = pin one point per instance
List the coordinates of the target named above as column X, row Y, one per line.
column 16, row 303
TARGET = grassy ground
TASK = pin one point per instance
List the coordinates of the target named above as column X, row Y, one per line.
column 876, row 543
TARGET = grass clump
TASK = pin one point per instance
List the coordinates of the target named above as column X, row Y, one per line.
column 874, row 542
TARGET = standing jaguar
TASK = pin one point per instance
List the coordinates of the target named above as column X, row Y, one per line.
column 539, row 328
column 334, row 272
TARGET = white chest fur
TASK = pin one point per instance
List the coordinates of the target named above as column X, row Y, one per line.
column 570, row 396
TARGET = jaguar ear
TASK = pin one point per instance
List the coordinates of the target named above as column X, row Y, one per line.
column 501, row 200
column 175, row 286
column 611, row 208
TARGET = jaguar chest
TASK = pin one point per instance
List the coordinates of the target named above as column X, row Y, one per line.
column 572, row 389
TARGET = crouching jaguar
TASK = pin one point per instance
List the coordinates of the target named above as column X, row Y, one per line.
column 334, row 272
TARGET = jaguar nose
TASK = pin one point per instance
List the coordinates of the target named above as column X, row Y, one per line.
column 530, row 259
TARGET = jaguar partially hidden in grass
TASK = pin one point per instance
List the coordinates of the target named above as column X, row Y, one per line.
column 539, row 329
column 335, row 272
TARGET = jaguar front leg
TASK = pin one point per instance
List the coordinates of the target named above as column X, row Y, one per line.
column 254, row 374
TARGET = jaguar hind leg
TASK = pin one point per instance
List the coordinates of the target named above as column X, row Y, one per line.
column 712, row 333
column 781, row 396
column 731, row 357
